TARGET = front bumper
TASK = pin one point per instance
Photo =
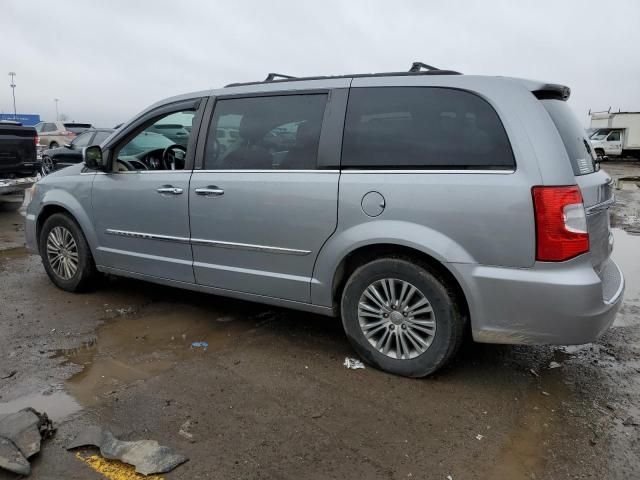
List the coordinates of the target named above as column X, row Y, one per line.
column 564, row 303
column 30, row 232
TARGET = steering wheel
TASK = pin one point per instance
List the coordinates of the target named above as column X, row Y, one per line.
column 127, row 166
column 132, row 165
column 169, row 159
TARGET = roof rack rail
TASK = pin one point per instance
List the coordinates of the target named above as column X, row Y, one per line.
column 416, row 69
column 417, row 66
column 272, row 76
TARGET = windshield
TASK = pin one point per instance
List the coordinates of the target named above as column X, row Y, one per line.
column 599, row 135
column 77, row 127
column 573, row 136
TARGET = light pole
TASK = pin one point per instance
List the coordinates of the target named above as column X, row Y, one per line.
column 57, row 100
column 13, row 89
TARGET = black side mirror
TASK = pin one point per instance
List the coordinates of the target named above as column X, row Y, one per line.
column 92, row 157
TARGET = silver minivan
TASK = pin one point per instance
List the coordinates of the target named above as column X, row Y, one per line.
column 419, row 206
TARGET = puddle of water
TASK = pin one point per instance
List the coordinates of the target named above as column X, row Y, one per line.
column 135, row 348
column 626, row 253
column 523, row 455
column 12, row 253
column 58, row 405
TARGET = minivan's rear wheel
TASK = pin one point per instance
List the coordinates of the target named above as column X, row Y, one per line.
column 65, row 254
column 401, row 318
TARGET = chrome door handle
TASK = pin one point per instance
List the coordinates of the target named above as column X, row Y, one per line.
column 170, row 189
column 210, row 191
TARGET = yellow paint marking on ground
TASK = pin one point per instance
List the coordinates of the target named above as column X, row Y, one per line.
column 114, row 469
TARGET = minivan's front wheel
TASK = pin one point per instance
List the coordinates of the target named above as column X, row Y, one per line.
column 65, row 254
column 401, row 318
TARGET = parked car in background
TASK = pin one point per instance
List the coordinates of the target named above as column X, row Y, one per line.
column 71, row 153
column 418, row 206
column 54, row 134
column 17, row 150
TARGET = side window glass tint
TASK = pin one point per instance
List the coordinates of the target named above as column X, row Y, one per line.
column 278, row 132
column 423, row 127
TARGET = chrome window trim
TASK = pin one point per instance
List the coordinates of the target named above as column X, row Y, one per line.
column 209, row 243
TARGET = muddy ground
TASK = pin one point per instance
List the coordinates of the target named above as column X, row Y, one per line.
column 270, row 397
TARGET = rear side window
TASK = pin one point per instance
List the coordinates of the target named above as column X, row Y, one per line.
column 573, row 136
column 77, row 127
column 265, row 133
column 423, row 127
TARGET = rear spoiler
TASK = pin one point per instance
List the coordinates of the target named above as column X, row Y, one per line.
column 552, row 91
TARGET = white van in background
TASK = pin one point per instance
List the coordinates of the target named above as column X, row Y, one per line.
column 616, row 134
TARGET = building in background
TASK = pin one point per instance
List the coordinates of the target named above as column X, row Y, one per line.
column 27, row 119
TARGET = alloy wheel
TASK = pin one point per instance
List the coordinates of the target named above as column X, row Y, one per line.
column 47, row 165
column 396, row 318
column 62, row 252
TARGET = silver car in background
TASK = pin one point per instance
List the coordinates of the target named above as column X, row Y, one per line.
column 418, row 206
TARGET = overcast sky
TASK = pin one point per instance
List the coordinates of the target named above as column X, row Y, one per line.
column 107, row 60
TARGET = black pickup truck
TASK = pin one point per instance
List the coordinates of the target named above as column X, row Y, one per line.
column 17, row 150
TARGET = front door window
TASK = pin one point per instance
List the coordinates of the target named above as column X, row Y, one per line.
column 162, row 145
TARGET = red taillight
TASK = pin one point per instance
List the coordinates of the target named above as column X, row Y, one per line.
column 68, row 133
column 561, row 224
column 37, row 141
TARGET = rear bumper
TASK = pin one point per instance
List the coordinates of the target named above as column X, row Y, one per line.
column 564, row 303
column 24, row 169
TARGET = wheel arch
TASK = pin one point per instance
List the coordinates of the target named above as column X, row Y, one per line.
column 368, row 253
column 73, row 210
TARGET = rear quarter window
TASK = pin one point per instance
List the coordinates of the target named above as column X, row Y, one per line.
column 423, row 127
column 573, row 136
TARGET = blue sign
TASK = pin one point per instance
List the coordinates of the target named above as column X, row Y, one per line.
column 26, row 119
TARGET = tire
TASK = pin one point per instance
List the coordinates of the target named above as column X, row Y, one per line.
column 85, row 273
column 53, row 145
column 449, row 322
column 47, row 165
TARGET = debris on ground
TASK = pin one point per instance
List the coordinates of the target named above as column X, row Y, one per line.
column 479, row 437
column 147, row 456
column 546, row 394
column 113, row 469
column 10, row 374
column 185, row 431
column 203, row 345
column 631, row 422
column 21, row 434
column 353, row 363
column 534, row 373
column 554, row 365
